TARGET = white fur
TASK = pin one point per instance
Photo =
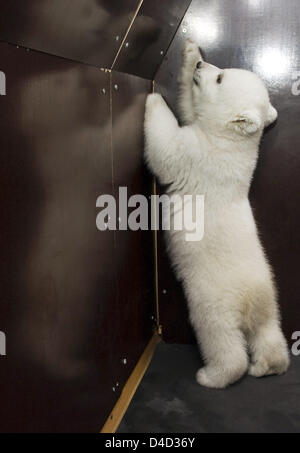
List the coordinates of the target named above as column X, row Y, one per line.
column 227, row 279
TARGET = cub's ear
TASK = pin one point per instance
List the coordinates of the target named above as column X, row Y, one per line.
column 272, row 116
column 247, row 123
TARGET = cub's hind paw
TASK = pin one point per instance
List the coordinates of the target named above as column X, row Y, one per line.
column 271, row 367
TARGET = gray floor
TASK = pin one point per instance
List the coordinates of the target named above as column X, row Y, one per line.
column 170, row 401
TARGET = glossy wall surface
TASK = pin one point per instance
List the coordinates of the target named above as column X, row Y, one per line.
column 94, row 31
column 70, row 309
column 77, row 305
column 263, row 36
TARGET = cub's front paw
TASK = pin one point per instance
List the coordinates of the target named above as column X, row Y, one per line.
column 192, row 52
column 153, row 99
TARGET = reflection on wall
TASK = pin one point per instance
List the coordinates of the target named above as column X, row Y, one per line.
column 93, row 31
column 273, row 63
column 84, row 30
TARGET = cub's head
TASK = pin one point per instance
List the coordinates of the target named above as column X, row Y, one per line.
column 234, row 99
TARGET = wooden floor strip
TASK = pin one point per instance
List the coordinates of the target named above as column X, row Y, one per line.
column 117, row 414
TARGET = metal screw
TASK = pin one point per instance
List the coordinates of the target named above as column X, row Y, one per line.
column 114, row 389
column 184, row 30
column 127, row 45
column 103, row 91
column 164, row 291
column 117, row 38
column 116, row 87
column 117, row 384
column 124, row 361
column 161, row 52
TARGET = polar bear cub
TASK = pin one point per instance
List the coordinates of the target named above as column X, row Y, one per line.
column 227, row 279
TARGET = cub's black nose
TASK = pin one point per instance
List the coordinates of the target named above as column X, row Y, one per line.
column 199, row 64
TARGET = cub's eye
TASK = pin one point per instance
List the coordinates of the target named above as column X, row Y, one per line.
column 220, row 79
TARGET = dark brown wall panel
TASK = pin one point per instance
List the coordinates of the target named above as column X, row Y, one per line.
column 150, row 36
column 263, row 37
column 89, row 31
column 64, row 308
column 57, row 285
column 134, row 249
